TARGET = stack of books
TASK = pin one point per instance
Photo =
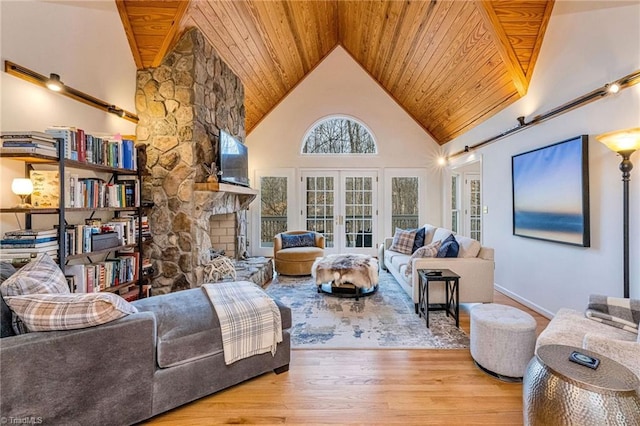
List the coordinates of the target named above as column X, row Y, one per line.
column 23, row 245
column 29, row 142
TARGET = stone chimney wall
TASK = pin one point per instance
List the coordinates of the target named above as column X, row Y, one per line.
column 182, row 105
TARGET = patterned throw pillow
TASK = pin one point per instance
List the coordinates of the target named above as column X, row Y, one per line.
column 449, row 247
column 49, row 312
column 307, row 239
column 39, row 276
column 430, row 250
column 403, row 241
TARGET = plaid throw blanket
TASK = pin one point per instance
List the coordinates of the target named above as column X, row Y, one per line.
column 250, row 320
column 614, row 311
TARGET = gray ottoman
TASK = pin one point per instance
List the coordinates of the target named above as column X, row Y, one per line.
column 503, row 340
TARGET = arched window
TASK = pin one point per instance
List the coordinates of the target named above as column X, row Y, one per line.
column 339, row 135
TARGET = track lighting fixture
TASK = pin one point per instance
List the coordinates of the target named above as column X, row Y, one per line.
column 53, row 83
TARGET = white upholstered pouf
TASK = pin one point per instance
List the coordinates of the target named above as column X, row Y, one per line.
column 503, row 339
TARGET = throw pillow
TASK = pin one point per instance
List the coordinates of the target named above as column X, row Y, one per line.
column 449, row 247
column 419, row 239
column 430, row 250
column 39, row 276
column 403, row 241
column 49, row 312
column 308, row 239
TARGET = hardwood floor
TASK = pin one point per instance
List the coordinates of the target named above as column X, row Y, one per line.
column 367, row 387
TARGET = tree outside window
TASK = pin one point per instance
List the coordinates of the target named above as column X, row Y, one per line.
column 339, row 136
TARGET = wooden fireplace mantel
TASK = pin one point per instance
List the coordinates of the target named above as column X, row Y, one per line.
column 246, row 195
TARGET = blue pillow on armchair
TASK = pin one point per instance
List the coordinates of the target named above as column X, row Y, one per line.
column 449, row 247
column 307, row 239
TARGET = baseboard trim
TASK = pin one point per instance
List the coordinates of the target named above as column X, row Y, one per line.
column 525, row 302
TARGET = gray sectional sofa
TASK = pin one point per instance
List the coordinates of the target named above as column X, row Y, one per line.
column 167, row 354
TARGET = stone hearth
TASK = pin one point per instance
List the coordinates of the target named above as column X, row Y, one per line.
column 182, row 105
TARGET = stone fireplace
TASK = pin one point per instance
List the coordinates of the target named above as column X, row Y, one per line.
column 182, row 105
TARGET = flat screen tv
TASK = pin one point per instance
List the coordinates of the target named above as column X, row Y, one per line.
column 551, row 192
column 232, row 160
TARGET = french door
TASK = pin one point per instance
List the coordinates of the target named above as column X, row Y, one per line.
column 342, row 205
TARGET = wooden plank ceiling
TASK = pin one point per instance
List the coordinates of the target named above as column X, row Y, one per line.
column 449, row 64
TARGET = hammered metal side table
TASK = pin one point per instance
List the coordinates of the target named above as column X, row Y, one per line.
column 557, row 391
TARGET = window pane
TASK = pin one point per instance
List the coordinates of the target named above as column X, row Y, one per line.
column 339, row 136
column 273, row 209
column 404, row 202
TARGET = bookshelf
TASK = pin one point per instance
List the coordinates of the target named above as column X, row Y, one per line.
column 108, row 197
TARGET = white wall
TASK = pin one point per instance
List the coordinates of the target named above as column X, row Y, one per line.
column 340, row 86
column 587, row 45
column 83, row 42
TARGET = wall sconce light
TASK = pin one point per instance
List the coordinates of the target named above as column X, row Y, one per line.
column 22, row 187
column 624, row 142
column 53, row 82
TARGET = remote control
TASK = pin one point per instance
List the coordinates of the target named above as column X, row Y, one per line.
column 582, row 359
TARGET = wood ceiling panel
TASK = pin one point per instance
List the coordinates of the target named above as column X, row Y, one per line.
column 449, row 90
column 449, row 54
column 449, row 64
column 405, row 42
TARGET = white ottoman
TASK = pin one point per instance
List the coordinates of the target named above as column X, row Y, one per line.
column 503, row 339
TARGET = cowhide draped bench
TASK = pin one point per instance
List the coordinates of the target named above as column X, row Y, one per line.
column 346, row 275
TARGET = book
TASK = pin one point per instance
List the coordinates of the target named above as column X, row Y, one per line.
column 82, row 145
column 28, row 150
column 46, row 188
column 47, row 249
column 80, row 276
column 30, row 233
column 22, row 134
column 67, row 136
column 29, row 143
column 53, row 244
column 25, row 244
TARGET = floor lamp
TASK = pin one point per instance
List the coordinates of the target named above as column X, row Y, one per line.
column 624, row 142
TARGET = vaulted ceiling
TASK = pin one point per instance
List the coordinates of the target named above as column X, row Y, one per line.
column 449, row 64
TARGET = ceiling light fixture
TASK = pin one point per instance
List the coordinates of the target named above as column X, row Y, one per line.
column 44, row 81
column 54, row 83
column 613, row 88
column 117, row 111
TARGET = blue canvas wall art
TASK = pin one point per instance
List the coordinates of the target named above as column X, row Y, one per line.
column 551, row 192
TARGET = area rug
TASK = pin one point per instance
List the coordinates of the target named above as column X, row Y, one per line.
column 384, row 320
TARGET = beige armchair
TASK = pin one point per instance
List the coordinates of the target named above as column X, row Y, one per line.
column 295, row 251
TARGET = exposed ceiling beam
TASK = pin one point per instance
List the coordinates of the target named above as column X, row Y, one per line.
column 502, row 43
column 128, row 30
column 172, row 34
